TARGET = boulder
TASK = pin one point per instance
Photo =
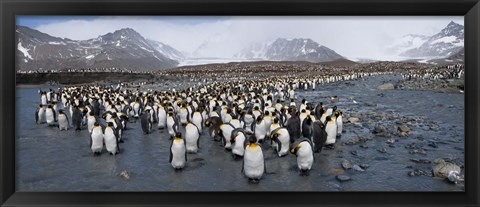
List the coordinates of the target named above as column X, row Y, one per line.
column 386, row 86
column 403, row 128
column 443, row 168
column 353, row 120
column 343, row 178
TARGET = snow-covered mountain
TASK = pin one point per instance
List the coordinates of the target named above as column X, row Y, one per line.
column 407, row 42
column 448, row 41
column 124, row 48
column 297, row 49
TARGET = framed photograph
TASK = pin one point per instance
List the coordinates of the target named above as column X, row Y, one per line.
column 239, row 103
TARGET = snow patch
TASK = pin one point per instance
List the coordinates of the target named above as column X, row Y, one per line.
column 56, row 43
column 24, row 51
column 447, row 39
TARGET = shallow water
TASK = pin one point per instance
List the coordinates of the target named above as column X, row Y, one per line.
column 53, row 160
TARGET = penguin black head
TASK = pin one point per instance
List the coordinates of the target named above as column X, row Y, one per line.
column 91, row 113
column 252, row 139
column 98, row 124
column 256, row 108
column 259, row 118
column 304, row 111
column 303, row 101
column 110, row 124
column 49, row 106
column 328, row 119
column 278, row 100
column 178, row 135
column 322, row 125
column 337, row 113
column 267, row 113
column 334, row 108
column 229, row 110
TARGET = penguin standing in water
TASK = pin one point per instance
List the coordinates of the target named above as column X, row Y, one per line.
column 111, row 139
column 197, row 119
column 62, row 120
column 146, row 122
column 238, row 140
column 293, row 126
column 77, row 118
column 96, row 139
column 339, row 121
column 280, row 141
column 307, row 130
column 213, row 123
column 225, row 132
column 40, row 114
column 253, row 161
column 303, row 149
column 178, row 152
column 331, row 129
column 91, row 121
column 162, row 117
column 50, row 115
column 319, row 136
column 192, row 138
column 183, row 115
column 172, row 124
column 259, row 129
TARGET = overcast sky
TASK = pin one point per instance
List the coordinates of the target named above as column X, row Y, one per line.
column 352, row 37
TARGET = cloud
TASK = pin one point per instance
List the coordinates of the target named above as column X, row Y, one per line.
column 224, row 36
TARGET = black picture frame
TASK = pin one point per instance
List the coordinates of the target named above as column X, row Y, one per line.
column 10, row 8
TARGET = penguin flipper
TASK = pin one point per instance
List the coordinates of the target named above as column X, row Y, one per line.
column 36, row 116
column 54, row 116
column 171, row 154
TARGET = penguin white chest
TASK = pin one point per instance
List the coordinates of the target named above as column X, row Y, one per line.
column 162, row 117
column 62, row 122
column 97, row 140
column 191, row 138
column 90, row 121
column 110, row 140
column 331, row 132
column 260, row 131
column 238, row 148
column 49, row 116
column 305, row 156
column 178, row 154
column 253, row 162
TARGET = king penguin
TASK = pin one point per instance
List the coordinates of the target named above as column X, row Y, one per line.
column 62, row 120
column 162, row 117
column 281, row 141
column 40, row 114
column 178, row 152
column 253, row 162
column 172, row 124
column 319, row 136
column 192, row 137
column 96, row 139
column 339, row 121
column 50, row 115
column 238, row 139
column 91, row 121
column 293, row 126
column 111, row 139
column 146, row 122
column 303, row 150
column 331, row 129
column 259, row 129
column 77, row 118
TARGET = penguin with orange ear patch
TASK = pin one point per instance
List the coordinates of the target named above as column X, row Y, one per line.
column 303, row 150
column 253, row 161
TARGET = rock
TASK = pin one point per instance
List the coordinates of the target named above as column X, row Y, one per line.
column 364, row 166
column 337, row 171
column 442, row 168
column 353, row 120
column 418, row 172
column 403, row 134
column 433, row 144
column 383, row 150
column 424, row 161
column 358, row 168
column 434, row 127
column 390, row 141
column 343, row 178
column 403, row 128
column 346, row 164
column 378, row 129
column 386, row 86
column 354, row 152
column 125, row 175
column 355, row 140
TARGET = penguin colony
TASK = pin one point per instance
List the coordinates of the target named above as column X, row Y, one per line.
column 247, row 118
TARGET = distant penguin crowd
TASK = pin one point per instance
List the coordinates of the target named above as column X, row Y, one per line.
column 245, row 117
